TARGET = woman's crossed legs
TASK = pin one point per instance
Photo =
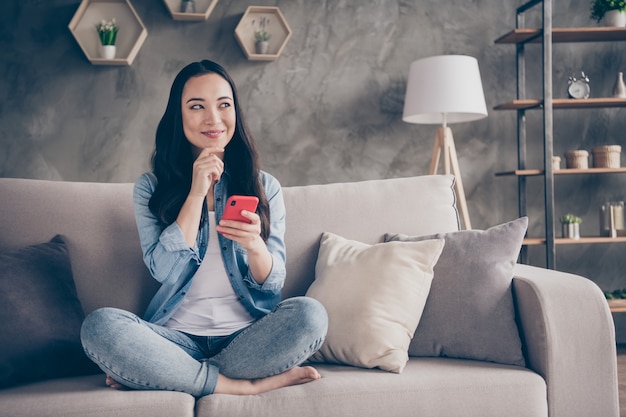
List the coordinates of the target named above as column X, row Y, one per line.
column 262, row 357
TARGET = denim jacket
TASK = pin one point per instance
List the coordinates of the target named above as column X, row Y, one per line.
column 173, row 263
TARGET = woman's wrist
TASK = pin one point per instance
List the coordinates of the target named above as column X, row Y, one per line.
column 260, row 261
column 258, row 248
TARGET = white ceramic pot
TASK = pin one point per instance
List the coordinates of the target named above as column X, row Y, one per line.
column 614, row 18
column 107, row 51
column 262, row 47
column 188, row 6
column 571, row 230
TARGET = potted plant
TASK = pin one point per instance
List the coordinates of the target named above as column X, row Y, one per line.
column 570, row 226
column 611, row 12
column 188, row 6
column 107, row 32
column 262, row 36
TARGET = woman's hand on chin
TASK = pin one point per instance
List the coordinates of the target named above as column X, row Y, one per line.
column 207, row 169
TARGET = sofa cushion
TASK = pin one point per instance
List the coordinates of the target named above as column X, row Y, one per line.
column 470, row 312
column 41, row 315
column 88, row 396
column 427, row 387
column 374, row 296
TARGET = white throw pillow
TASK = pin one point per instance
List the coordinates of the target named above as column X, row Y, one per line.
column 374, row 296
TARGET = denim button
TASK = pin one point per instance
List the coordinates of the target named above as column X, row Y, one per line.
column 223, row 248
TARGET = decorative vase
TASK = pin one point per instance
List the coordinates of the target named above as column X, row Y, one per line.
column 614, row 18
column 261, row 47
column 107, row 51
column 619, row 89
column 612, row 219
column 571, row 230
column 188, row 6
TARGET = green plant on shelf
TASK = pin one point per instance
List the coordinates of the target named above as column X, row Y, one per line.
column 570, row 218
column 616, row 294
column 261, row 34
column 600, row 7
column 107, row 31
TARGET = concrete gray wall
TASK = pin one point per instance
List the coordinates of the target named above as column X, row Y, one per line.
column 329, row 109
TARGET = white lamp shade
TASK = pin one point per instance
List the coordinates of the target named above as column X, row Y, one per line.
column 447, row 85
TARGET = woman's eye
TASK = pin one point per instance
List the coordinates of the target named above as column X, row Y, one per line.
column 224, row 105
column 196, row 107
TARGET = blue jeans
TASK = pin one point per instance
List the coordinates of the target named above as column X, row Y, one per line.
column 142, row 355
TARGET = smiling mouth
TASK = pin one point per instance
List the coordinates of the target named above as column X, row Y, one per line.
column 213, row 133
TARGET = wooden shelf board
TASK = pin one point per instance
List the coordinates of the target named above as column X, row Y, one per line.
column 520, row 172
column 563, row 35
column 533, row 241
column 566, row 171
column 563, row 171
column 563, row 103
column 617, row 306
column 519, row 105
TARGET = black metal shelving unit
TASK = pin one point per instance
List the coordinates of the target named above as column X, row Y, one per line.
column 546, row 35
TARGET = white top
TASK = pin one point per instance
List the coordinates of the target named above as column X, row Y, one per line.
column 211, row 306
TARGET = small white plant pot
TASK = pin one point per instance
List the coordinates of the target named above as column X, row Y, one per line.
column 262, row 47
column 188, row 6
column 614, row 18
column 107, row 51
column 571, row 230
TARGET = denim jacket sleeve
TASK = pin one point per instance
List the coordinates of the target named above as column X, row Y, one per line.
column 165, row 251
column 276, row 241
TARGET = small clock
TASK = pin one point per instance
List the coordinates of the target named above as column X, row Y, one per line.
column 578, row 87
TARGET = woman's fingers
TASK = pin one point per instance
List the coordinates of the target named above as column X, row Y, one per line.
column 241, row 232
column 207, row 168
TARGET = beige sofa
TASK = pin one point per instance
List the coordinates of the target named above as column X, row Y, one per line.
column 566, row 328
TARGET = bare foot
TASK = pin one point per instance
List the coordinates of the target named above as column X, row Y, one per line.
column 294, row 376
column 114, row 384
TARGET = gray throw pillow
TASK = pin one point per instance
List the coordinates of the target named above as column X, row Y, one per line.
column 470, row 313
column 41, row 316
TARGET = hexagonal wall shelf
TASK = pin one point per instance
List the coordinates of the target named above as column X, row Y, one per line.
column 203, row 10
column 277, row 26
column 132, row 33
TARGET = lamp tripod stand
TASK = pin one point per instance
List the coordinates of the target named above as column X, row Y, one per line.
column 444, row 144
column 440, row 90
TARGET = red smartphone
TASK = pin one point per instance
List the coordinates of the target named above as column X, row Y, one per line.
column 236, row 203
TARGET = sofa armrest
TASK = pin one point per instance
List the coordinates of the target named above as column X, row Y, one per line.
column 569, row 339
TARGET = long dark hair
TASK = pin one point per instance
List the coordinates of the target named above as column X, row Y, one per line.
column 172, row 160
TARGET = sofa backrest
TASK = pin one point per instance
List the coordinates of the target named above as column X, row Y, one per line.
column 362, row 211
column 98, row 225
column 97, row 222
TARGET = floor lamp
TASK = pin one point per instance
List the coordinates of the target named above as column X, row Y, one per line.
column 443, row 90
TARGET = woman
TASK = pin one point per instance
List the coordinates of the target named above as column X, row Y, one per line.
column 217, row 324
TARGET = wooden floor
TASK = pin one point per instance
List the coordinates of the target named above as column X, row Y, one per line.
column 621, row 376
